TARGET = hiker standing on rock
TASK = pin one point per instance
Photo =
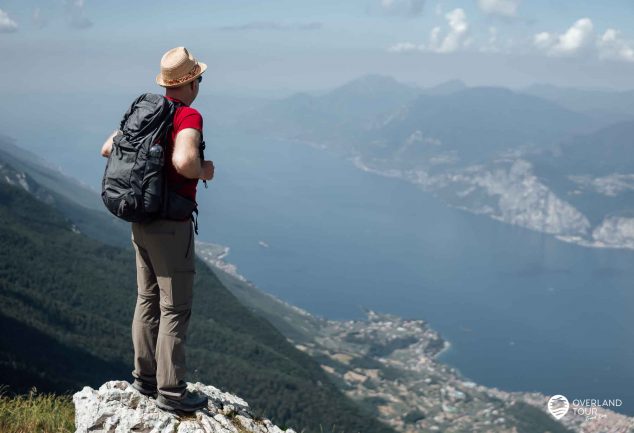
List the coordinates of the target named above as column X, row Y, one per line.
column 164, row 244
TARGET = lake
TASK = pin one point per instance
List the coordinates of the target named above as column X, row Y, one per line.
column 522, row 310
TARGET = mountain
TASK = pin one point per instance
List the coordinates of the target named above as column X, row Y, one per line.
column 333, row 117
column 445, row 88
column 366, row 97
column 519, row 159
column 603, row 152
column 46, row 175
column 580, row 190
column 378, row 117
column 609, row 106
column 66, row 302
column 469, row 126
column 595, row 172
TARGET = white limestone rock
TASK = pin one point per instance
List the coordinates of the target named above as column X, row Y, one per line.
column 615, row 232
column 116, row 407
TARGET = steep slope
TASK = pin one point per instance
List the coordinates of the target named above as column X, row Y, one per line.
column 606, row 151
column 77, row 294
column 46, row 175
column 595, row 172
column 45, row 362
column 80, row 204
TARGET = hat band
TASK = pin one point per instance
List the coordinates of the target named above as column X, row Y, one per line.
column 184, row 78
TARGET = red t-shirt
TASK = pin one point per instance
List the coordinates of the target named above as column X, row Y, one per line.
column 184, row 117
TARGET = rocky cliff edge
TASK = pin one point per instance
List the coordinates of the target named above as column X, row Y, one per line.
column 116, row 407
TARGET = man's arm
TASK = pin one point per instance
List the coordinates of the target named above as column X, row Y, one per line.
column 186, row 156
column 107, row 146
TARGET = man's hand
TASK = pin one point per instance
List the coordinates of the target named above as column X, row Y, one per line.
column 207, row 170
column 107, row 145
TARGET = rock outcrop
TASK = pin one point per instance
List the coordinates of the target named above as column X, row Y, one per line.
column 116, row 407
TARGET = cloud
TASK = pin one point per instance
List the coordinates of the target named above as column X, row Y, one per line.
column 405, row 47
column 410, row 8
column 507, row 8
column 76, row 15
column 456, row 36
column 612, row 47
column 543, row 40
column 7, row 25
column 38, row 19
column 272, row 25
column 578, row 38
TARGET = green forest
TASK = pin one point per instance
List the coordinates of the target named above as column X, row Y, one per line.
column 66, row 305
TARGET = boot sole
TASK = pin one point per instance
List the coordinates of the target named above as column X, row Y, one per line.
column 178, row 409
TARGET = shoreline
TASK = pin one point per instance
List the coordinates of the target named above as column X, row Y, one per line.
column 424, row 374
column 447, row 347
column 570, row 239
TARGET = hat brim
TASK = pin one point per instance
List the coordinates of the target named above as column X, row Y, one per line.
column 160, row 82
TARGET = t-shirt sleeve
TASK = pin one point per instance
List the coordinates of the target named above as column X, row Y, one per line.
column 188, row 118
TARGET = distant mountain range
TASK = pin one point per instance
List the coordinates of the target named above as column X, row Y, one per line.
column 472, row 125
column 549, row 159
column 605, row 104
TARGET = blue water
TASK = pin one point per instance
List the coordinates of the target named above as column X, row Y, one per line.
column 522, row 310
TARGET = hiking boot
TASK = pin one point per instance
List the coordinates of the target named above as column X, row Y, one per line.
column 190, row 403
column 146, row 389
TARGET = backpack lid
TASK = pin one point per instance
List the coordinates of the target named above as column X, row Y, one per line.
column 148, row 116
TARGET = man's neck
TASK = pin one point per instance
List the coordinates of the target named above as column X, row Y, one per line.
column 177, row 99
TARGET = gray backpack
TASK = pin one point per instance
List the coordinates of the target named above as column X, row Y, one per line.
column 134, row 187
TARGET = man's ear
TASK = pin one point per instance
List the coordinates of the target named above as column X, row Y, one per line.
column 191, row 85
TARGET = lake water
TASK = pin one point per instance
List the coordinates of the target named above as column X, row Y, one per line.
column 522, row 310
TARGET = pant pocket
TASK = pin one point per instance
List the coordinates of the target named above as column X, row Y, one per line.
column 177, row 289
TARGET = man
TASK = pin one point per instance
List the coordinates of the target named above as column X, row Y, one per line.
column 165, row 249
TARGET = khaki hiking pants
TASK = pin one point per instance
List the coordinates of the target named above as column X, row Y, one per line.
column 165, row 278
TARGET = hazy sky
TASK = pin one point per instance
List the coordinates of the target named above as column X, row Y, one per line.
column 268, row 47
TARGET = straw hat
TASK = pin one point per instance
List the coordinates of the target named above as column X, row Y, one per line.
column 179, row 67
